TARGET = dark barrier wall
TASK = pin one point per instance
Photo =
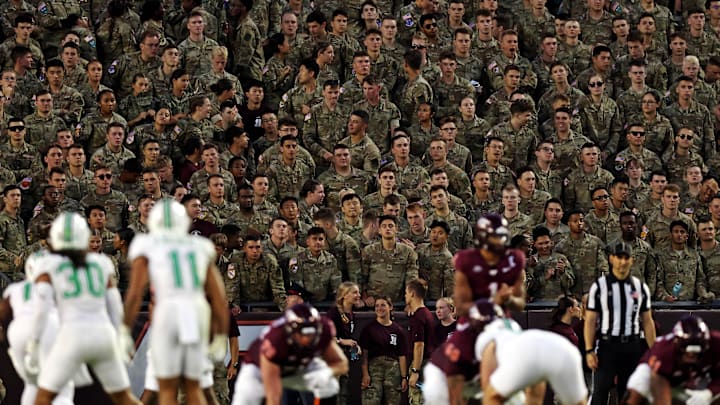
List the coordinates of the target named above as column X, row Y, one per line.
column 537, row 316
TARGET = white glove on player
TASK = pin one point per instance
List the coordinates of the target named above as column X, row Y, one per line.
column 328, row 390
column 318, row 379
column 126, row 344
column 31, row 361
column 699, row 397
column 218, row 347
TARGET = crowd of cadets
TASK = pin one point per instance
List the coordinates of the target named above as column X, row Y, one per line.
column 315, row 144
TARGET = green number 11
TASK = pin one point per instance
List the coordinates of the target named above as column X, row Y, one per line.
column 177, row 269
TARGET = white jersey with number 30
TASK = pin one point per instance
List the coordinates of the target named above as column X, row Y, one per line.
column 177, row 263
column 79, row 292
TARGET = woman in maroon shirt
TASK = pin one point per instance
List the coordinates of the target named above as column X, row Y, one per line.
column 562, row 318
column 445, row 326
column 384, row 365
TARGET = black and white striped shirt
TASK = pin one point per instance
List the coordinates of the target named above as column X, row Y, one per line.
column 619, row 304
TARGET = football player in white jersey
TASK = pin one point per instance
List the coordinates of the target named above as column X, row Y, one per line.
column 510, row 362
column 90, row 309
column 181, row 268
column 19, row 298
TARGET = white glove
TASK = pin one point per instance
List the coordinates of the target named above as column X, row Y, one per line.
column 126, row 344
column 218, row 347
column 699, row 397
column 31, row 361
column 328, row 390
column 318, row 379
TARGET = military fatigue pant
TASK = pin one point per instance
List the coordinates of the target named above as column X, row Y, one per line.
column 385, row 382
column 414, row 393
column 220, row 384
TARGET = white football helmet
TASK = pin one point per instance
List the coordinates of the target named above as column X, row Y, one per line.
column 168, row 216
column 69, row 231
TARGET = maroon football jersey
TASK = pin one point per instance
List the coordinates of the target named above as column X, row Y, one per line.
column 705, row 372
column 484, row 279
column 457, row 355
column 277, row 345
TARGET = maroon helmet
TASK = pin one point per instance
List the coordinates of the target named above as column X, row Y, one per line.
column 495, row 227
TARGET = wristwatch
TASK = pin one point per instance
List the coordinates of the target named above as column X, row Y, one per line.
column 236, row 365
column 414, row 370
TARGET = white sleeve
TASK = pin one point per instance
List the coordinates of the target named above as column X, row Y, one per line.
column 114, row 306
column 44, row 302
column 138, row 246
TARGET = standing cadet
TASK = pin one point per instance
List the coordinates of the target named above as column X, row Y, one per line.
column 197, row 49
column 435, row 261
column 121, row 71
column 258, row 276
column 460, row 230
column 324, row 125
column 387, row 266
column 315, row 269
column 244, row 41
column 450, row 88
column 585, row 252
column 12, row 233
column 342, row 246
column 114, row 202
column 416, row 91
column 616, row 302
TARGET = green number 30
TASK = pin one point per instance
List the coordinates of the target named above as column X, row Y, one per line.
column 89, row 279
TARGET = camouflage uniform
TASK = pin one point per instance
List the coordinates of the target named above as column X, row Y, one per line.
column 50, row 17
column 458, row 155
column 607, row 229
column 531, row 29
column 388, row 271
column 282, row 254
column 261, row 281
column 412, row 94
column 116, row 43
column 645, row 263
column 9, row 44
column 198, row 184
column 656, row 75
column 116, row 205
column 675, row 165
column 685, row 267
column 375, row 201
column 582, row 79
column 348, row 256
column 385, row 377
column 497, row 65
column 42, row 132
column 78, row 187
column 497, row 108
column 383, row 117
column 587, row 256
column 272, row 155
column 121, row 71
column 658, row 134
column 566, row 152
column 535, row 205
column 160, row 83
column 703, row 46
column 416, row 239
column 412, row 180
column 287, row 180
column 323, row 129
column 500, row 176
column 408, row 19
column 697, row 117
column 68, row 104
column 176, row 22
column 259, row 222
column 459, row 183
column 203, row 82
column 220, row 214
column 579, row 185
column 518, row 143
column 8, row 12
column 448, row 96
column 114, row 161
column 658, row 230
column 12, row 242
column 711, row 264
column 93, row 130
column 471, row 134
column 25, row 161
column 558, row 284
column 629, row 103
column 196, row 55
column 436, row 267
column 486, row 50
column 550, row 181
column 470, row 68
column 520, row 224
column 320, row 275
column 290, row 104
column 246, row 46
column 476, row 208
column 131, row 106
column 650, row 160
column 75, row 76
column 421, row 137
column 606, row 121
column 460, row 237
column 597, row 31
column 275, row 87
column 365, row 154
column 387, row 69
column 358, row 180
column 557, row 234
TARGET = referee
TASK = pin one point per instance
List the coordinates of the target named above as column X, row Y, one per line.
column 616, row 302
